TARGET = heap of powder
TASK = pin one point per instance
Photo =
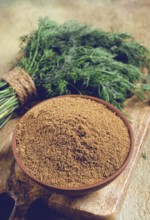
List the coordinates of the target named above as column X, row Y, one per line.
column 72, row 142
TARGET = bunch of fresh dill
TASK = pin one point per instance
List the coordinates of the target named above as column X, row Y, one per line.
column 76, row 58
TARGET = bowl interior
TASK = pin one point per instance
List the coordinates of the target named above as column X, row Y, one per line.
column 91, row 187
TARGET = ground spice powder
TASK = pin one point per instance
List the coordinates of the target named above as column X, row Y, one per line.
column 72, row 142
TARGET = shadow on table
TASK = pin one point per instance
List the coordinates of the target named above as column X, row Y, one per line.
column 39, row 210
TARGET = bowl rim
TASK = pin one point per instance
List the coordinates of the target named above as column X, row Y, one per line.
column 95, row 184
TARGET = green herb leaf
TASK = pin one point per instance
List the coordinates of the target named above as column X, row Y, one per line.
column 76, row 58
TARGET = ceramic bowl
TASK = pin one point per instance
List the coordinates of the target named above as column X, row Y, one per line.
column 89, row 188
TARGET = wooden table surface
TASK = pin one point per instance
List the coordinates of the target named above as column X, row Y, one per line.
column 16, row 18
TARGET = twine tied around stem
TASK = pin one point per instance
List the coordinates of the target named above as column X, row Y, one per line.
column 22, row 84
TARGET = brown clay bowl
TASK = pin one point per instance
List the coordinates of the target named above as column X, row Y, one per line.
column 89, row 188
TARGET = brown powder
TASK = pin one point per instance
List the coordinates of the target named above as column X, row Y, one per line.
column 72, row 142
